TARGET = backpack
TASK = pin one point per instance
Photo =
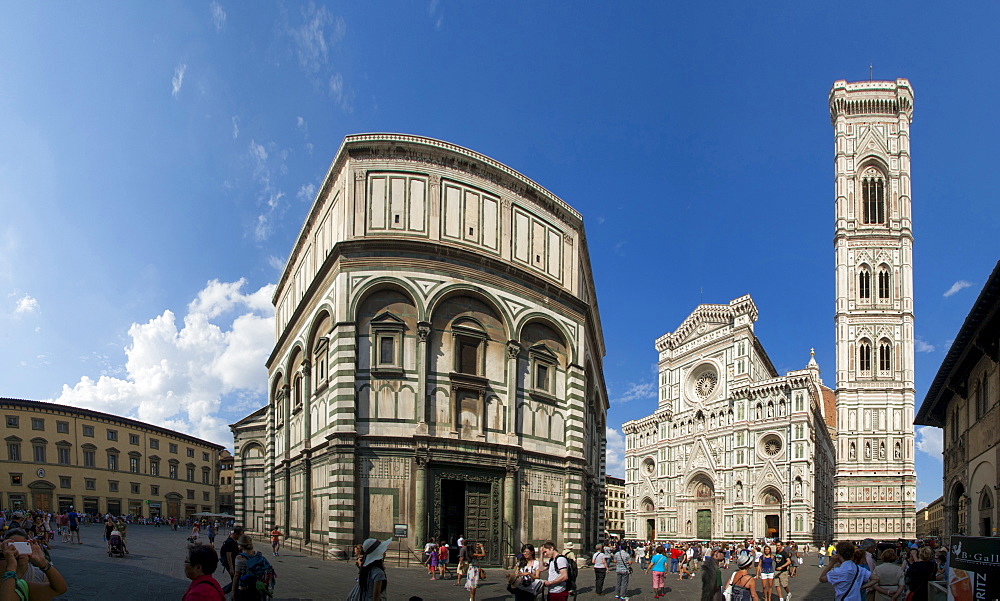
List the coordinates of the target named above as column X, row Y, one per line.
column 572, row 573
column 260, row 576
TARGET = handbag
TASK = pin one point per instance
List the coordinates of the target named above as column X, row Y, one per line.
column 728, row 591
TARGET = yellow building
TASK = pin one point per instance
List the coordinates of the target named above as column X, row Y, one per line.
column 614, row 507
column 227, row 489
column 58, row 456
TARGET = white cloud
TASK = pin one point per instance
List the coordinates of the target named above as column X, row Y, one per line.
column 644, row 390
column 959, row 285
column 276, row 263
column 922, row 346
column 921, row 505
column 180, row 377
column 930, row 440
column 313, row 40
column 218, row 15
column 615, row 456
column 340, row 95
column 26, row 304
column 301, row 124
column 307, row 193
column 178, row 79
column 236, row 127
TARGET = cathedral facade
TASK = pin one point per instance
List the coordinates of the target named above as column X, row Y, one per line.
column 734, row 450
column 876, row 480
column 437, row 370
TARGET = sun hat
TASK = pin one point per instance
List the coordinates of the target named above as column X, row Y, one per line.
column 744, row 559
column 374, row 550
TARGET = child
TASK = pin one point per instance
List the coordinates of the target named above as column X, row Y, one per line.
column 443, row 552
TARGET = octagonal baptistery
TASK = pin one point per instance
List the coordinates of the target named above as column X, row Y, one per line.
column 438, row 365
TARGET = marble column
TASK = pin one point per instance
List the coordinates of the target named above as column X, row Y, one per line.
column 513, row 351
column 424, row 416
column 509, row 536
column 419, row 535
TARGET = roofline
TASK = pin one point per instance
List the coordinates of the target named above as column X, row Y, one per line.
column 46, row 405
column 931, row 412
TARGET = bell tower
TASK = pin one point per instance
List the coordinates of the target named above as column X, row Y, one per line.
column 875, row 482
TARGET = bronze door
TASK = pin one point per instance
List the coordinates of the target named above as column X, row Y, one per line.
column 477, row 514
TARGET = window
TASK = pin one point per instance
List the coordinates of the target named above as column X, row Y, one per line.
column 173, row 448
column 62, row 427
column 12, row 421
column 884, row 357
column 65, row 482
column 112, row 461
column 204, row 457
column 134, row 487
column 864, row 283
column 133, row 439
column 154, row 490
column 873, row 196
column 14, row 451
column 205, row 496
column 89, row 483
column 468, row 355
column 190, row 452
column 113, row 485
column 206, row 476
column 190, row 474
column 799, row 431
column 154, row 443
column 39, row 452
column 113, row 435
column 865, row 358
column 154, row 468
column 37, row 423
column 190, row 494
column 386, row 340
column 88, row 431
column 63, row 455
column 133, row 465
column 88, row 458
column 883, row 284
column 15, row 479
column 173, row 471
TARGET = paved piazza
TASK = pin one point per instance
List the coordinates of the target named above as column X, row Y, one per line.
column 154, row 571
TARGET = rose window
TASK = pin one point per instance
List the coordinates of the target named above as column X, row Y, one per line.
column 705, row 384
column 772, row 446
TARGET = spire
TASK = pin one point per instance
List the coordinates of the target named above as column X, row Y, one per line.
column 812, row 360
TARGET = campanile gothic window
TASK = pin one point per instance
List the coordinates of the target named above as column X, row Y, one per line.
column 864, row 283
column 884, row 356
column 883, row 283
column 873, row 196
column 865, row 357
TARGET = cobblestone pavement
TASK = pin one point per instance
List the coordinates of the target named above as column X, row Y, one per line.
column 154, row 571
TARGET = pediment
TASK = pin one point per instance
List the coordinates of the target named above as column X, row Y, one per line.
column 768, row 475
column 871, row 141
column 540, row 350
column 387, row 319
column 702, row 458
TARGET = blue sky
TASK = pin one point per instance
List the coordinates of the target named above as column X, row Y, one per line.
column 157, row 161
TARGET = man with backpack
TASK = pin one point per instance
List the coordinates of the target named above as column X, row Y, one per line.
column 561, row 573
column 230, row 549
column 254, row 576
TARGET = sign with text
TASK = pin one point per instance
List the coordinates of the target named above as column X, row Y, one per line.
column 399, row 530
column 974, row 573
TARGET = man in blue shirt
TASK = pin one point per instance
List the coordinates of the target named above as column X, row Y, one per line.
column 74, row 525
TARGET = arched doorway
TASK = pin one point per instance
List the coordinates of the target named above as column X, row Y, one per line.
column 701, row 490
column 41, row 494
column 959, row 512
column 648, row 510
column 770, row 507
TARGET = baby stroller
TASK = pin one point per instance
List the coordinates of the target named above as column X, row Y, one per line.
column 116, row 545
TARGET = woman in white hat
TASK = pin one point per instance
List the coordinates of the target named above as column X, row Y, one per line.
column 744, row 585
column 372, row 582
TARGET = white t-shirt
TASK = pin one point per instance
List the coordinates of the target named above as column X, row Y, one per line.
column 429, row 547
column 600, row 560
column 554, row 573
column 461, row 542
